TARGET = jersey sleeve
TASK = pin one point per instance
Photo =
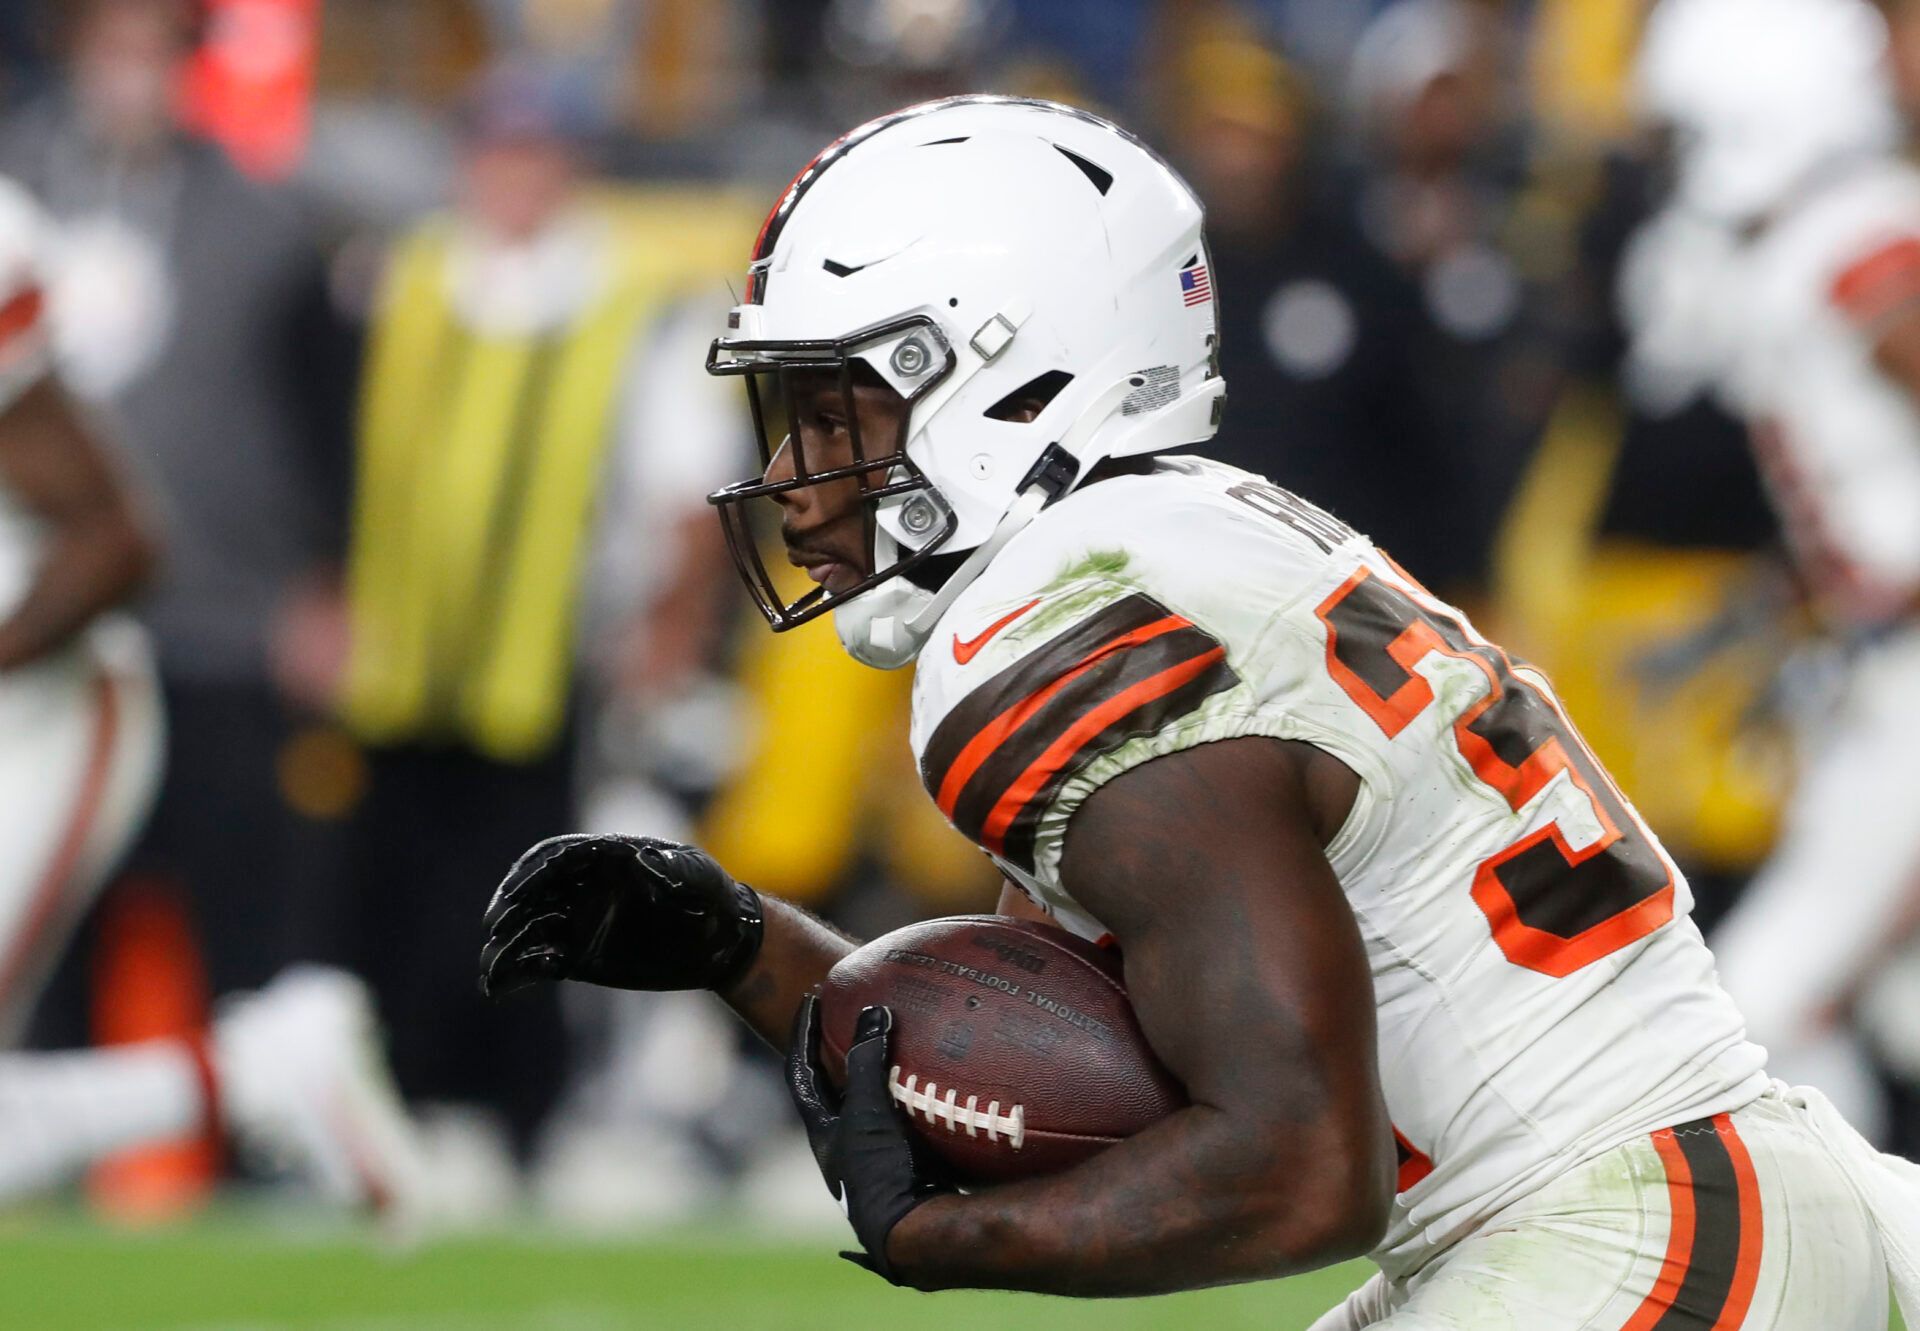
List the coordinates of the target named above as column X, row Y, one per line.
column 1142, row 627
column 1001, row 761
column 25, row 346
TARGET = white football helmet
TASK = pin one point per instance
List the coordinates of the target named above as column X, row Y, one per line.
column 971, row 251
column 1765, row 95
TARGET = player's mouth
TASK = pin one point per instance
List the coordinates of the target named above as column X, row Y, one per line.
column 837, row 574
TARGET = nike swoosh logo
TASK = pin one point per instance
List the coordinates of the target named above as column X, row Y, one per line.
column 964, row 652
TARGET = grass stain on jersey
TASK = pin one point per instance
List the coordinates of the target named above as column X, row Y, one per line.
column 1097, row 579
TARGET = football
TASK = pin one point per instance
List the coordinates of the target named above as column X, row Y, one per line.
column 1015, row 1051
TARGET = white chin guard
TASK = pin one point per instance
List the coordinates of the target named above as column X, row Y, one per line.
column 887, row 626
column 876, row 628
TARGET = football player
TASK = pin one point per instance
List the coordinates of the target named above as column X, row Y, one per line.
column 294, row 1067
column 1429, row 981
column 1790, row 140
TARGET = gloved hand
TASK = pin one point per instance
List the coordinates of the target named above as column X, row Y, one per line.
column 629, row 912
column 870, row 1162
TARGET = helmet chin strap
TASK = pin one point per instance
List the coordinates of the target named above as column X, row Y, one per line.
column 1052, row 476
column 1025, row 509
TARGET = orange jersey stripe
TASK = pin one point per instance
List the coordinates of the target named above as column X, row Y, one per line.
column 1062, row 750
column 982, row 745
column 1746, row 1272
column 1415, row 1164
column 1673, row 1269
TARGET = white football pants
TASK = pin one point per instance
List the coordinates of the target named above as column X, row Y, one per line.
column 1847, row 865
column 80, row 761
column 1760, row 1220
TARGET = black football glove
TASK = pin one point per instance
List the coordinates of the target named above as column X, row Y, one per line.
column 859, row 1138
column 629, row 912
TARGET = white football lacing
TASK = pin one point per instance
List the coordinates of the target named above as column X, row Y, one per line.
column 937, row 1108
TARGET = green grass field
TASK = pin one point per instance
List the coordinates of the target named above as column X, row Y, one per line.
column 241, row 1271
column 237, row 1272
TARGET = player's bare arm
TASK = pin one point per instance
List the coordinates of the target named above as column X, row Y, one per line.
column 99, row 550
column 796, row 952
column 1897, row 350
column 1246, row 968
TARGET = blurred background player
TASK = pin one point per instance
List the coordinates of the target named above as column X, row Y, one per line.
column 82, row 711
column 1793, row 148
column 188, row 303
column 296, row 1068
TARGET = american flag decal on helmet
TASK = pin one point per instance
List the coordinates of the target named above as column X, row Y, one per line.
column 1195, row 287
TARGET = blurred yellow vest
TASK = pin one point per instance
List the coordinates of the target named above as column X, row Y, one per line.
column 479, row 457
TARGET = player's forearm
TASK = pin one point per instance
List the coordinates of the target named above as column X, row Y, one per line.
column 90, row 566
column 796, row 952
column 1199, row 1199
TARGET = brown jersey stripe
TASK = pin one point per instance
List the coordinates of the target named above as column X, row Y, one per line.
column 1057, row 709
column 1714, row 1243
column 1143, row 709
column 1019, row 736
column 981, row 748
column 976, row 714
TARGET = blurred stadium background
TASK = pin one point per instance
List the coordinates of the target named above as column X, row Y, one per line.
column 290, row 232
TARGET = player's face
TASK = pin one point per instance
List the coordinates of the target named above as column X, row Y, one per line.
column 825, row 525
column 515, row 187
column 128, row 59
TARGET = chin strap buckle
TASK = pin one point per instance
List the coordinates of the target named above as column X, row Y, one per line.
column 1054, row 472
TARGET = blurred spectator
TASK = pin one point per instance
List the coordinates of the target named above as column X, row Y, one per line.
column 190, row 303
column 1319, row 34
column 840, row 63
column 1427, row 93
column 530, row 419
column 1443, row 192
column 1319, row 333
column 23, row 58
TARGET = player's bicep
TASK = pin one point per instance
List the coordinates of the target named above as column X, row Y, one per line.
column 1243, row 958
column 1897, row 352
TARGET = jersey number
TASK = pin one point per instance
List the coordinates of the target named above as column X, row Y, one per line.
column 1552, row 908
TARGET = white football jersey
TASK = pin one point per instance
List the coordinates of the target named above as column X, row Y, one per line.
column 25, row 353
column 1838, row 440
column 1542, row 996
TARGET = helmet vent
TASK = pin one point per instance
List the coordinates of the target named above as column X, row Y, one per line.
column 939, row 142
column 1036, row 392
column 842, row 269
column 1101, row 177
